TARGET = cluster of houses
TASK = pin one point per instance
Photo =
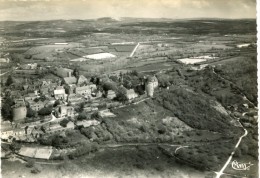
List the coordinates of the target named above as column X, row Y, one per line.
column 63, row 96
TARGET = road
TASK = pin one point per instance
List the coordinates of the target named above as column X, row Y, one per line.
column 139, row 144
column 133, row 52
column 7, row 72
column 180, row 147
column 240, row 138
column 231, row 156
column 4, row 73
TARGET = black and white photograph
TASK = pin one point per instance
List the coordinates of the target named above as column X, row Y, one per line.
column 129, row 89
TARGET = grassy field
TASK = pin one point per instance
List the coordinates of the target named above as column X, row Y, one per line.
column 112, row 163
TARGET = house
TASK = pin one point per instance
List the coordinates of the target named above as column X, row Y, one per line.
column 111, row 94
column 18, row 132
column 30, row 97
column 70, row 80
column 25, row 87
column 46, row 83
column 74, row 99
column 59, row 93
column 85, row 90
column 66, row 111
column 52, row 86
column 82, row 80
column 5, row 134
column 130, row 94
column 36, row 106
column 44, row 90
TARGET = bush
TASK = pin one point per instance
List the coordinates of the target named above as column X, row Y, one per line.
column 30, row 163
column 45, row 111
column 9, row 80
column 36, row 169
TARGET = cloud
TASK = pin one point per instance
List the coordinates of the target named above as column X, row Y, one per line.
column 86, row 9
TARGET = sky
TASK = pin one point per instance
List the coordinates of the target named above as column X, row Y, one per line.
column 27, row 10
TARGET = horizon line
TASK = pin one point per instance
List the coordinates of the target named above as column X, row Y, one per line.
column 116, row 18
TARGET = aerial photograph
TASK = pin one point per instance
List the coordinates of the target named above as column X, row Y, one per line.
column 128, row 89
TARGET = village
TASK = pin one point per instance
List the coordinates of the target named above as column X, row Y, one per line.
column 125, row 96
column 45, row 107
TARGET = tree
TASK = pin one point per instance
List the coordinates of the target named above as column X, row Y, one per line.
column 30, row 163
column 56, row 103
column 76, row 72
column 109, row 86
column 121, row 94
column 81, row 117
column 6, row 109
column 64, row 122
column 9, row 81
column 67, row 89
column 31, row 113
column 140, row 89
column 45, row 111
column 28, row 56
column 163, row 81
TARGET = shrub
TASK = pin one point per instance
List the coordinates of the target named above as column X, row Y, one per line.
column 30, row 163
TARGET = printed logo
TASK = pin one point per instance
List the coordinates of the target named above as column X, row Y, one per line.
column 241, row 166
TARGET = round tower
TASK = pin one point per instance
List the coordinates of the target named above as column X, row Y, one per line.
column 19, row 113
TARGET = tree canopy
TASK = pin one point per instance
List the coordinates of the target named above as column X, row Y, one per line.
column 9, row 81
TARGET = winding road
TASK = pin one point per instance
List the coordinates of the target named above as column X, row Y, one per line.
column 231, row 156
column 221, row 172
